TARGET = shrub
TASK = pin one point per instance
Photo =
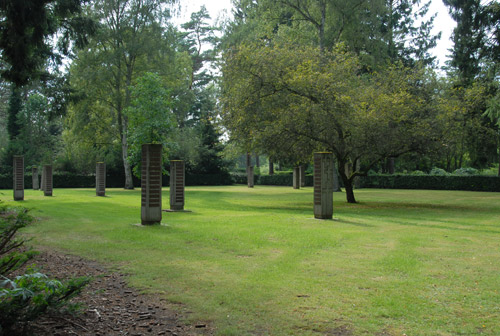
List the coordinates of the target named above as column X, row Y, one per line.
column 27, row 296
column 438, row 171
column 30, row 295
column 466, row 171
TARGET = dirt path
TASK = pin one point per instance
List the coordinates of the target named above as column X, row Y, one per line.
column 110, row 307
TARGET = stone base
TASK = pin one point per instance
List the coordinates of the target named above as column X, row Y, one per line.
column 173, row 210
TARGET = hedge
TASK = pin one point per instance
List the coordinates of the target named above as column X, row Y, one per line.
column 67, row 180
column 449, row 182
column 433, row 182
column 276, row 179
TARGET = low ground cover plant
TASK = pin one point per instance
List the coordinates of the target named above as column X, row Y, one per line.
column 25, row 297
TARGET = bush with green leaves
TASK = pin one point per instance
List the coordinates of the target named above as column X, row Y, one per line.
column 25, row 297
column 466, row 171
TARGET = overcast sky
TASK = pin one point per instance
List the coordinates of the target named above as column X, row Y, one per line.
column 443, row 23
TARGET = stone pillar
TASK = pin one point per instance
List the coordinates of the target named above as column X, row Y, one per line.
column 323, row 185
column 34, row 176
column 151, row 184
column 100, row 179
column 302, row 169
column 177, row 184
column 47, row 183
column 18, row 177
column 250, row 176
column 42, row 181
column 296, row 178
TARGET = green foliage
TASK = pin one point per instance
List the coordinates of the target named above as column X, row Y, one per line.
column 29, row 296
column 11, row 221
column 278, row 98
column 438, row 171
column 466, row 171
column 28, row 28
column 150, row 117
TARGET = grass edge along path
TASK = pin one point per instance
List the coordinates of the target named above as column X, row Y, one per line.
column 254, row 261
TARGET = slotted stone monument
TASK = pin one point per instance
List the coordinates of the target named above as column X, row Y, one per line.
column 42, row 180
column 302, row 175
column 34, row 178
column 151, row 184
column 177, row 184
column 18, row 177
column 47, row 183
column 250, row 177
column 296, row 178
column 100, row 179
column 323, row 185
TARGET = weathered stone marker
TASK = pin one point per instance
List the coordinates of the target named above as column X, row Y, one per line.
column 34, row 178
column 296, row 178
column 42, row 181
column 323, row 185
column 177, row 184
column 100, row 179
column 47, row 184
column 151, row 184
column 302, row 175
column 18, row 177
column 250, row 177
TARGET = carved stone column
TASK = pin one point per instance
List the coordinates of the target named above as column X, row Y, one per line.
column 18, row 177
column 323, row 185
column 177, row 185
column 151, row 184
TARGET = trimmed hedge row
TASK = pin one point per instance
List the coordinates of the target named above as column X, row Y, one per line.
column 468, row 183
column 65, row 180
column 433, row 182
column 277, row 179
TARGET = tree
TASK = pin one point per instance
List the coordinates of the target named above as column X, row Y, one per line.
column 150, row 116
column 132, row 40
column 26, row 30
column 283, row 95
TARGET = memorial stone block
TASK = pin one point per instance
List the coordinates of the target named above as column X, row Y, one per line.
column 100, row 179
column 296, row 178
column 47, row 180
column 34, row 175
column 151, row 184
column 323, row 185
column 42, row 181
column 18, row 177
column 177, row 184
column 250, row 177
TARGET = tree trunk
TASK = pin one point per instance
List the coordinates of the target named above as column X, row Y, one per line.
column 499, row 154
column 257, row 160
column 391, row 165
column 271, row 167
column 348, row 185
column 129, row 182
column 249, row 160
column 349, row 191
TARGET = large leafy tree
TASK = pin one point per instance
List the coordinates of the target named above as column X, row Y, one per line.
column 321, row 100
column 133, row 38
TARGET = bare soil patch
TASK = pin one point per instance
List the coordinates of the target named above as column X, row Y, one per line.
column 109, row 306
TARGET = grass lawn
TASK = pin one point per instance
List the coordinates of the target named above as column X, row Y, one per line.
column 255, row 262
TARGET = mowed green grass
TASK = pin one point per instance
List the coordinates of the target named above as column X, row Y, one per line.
column 255, row 262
